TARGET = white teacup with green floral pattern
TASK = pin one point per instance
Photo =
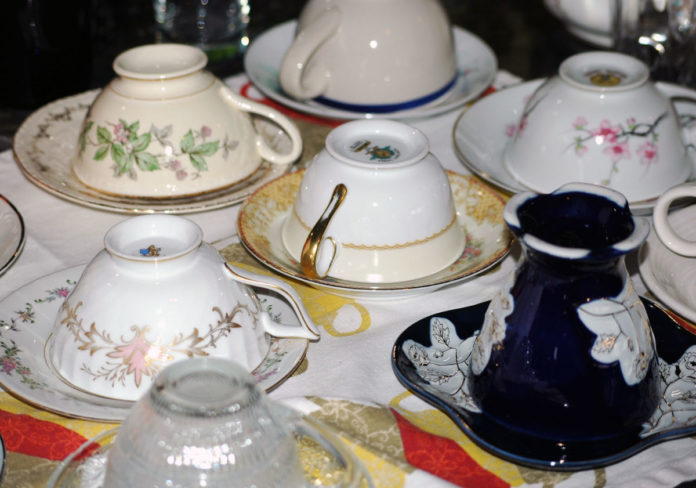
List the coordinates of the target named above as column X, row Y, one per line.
column 165, row 127
column 156, row 294
column 602, row 121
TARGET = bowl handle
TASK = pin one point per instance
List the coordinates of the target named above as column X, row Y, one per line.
column 295, row 78
column 306, row 330
column 265, row 151
column 315, row 239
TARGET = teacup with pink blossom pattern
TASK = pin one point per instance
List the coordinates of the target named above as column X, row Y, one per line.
column 602, row 121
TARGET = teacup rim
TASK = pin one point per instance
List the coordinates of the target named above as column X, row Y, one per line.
column 192, row 233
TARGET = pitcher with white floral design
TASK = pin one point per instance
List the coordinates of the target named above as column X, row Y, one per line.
column 566, row 351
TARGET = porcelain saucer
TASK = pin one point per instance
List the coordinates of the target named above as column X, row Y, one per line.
column 26, row 321
column 479, row 210
column 482, row 131
column 669, row 276
column 46, row 142
column 477, row 67
column 12, row 234
column 419, row 360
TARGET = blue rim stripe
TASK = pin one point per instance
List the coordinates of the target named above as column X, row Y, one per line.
column 392, row 107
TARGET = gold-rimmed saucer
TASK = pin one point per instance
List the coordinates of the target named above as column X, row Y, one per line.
column 479, row 211
column 46, row 142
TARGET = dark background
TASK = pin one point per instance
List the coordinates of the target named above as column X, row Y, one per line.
column 55, row 48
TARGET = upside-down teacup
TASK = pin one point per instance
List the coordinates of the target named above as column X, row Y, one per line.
column 157, row 294
column 371, row 55
column 165, row 127
column 601, row 121
column 374, row 206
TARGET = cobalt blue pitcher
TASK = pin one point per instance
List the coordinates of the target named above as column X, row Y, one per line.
column 566, row 352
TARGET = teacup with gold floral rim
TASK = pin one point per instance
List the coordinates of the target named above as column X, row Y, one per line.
column 165, row 127
column 374, row 206
column 601, row 121
column 157, row 294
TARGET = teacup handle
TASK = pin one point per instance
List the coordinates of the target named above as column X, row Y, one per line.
column 265, row 151
column 295, row 79
column 306, row 329
column 660, row 219
column 315, row 239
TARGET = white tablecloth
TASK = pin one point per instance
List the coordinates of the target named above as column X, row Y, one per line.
column 62, row 234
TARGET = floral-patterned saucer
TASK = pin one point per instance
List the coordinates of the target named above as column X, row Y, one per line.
column 431, row 359
column 479, row 211
column 26, row 321
column 45, row 144
column 12, row 234
column 482, row 131
column 476, row 65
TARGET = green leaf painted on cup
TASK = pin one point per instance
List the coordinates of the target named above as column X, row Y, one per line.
column 198, row 162
column 206, row 149
column 101, row 153
column 141, row 142
column 187, row 142
column 83, row 135
column 146, row 161
column 103, row 135
column 118, row 154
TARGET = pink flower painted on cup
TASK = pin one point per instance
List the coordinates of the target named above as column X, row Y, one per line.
column 618, row 151
column 647, row 153
column 606, row 132
column 121, row 133
column 206, row 131
column 181, row 174
column 580, row 123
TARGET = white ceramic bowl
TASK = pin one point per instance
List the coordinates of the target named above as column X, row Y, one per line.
column 374, row 206
column 371, row 56
column 602, row 121
column 165, row 127
column 157, row 294
column 590, row 20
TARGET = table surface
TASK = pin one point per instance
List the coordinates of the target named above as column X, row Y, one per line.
column 346, row 378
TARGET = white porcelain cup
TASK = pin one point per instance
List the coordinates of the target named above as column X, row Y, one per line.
column 371, row 55
column 157, row 294
column 165, row 127
column 601, row 121
column 374, row 206
column 683, row 239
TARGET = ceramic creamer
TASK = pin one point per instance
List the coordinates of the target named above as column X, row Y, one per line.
column 566, row 351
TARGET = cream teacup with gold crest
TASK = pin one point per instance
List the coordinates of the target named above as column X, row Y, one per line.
column 374, row 206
